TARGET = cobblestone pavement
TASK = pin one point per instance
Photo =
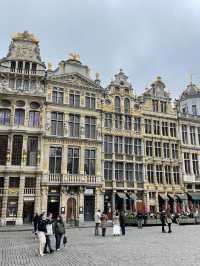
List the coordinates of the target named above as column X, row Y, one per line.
column 138, row 248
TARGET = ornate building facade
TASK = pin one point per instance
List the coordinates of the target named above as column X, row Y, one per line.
column 70, row 146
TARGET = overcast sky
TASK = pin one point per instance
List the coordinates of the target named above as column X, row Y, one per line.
column 145, row 38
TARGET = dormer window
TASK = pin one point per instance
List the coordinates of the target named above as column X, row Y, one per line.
column 163, row 106
column 117, row 104
column 194, row 109
column 155, row 105
column 127, row 106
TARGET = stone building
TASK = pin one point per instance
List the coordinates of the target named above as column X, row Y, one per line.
column 188, row 107
column 22, row 107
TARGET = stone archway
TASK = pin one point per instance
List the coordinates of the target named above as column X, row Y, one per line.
column 71, row 209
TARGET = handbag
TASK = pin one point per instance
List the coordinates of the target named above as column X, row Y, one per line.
column 64, row 240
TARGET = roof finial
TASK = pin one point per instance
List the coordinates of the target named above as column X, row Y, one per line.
column 190, row 78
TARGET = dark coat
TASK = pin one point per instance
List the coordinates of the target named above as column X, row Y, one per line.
column 42, row 225
column 59, row 227
column 122, row 219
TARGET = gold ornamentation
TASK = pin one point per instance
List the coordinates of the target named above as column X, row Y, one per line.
column 49, row 66
column 74, row 57
column 25, row 36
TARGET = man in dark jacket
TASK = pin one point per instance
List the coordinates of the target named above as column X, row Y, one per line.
column 49, row 226
column 122, row 222
column 163, row 220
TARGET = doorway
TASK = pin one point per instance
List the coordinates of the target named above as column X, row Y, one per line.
column 53, row 207
column 71, row 209
column 89, row 206
column 28, row 212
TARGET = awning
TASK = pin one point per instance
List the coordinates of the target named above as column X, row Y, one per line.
column 132, row 196
column 122, row 195
column 171, row 196
column 195, row 195
column 181, row 196
column 163, row 196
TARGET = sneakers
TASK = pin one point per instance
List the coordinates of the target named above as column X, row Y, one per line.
column 57, row 249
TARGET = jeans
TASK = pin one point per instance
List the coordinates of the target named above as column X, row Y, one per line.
column 140, row 222
column 96, row 233
column 103, row 231
column 123, row 229
column 58, row 240
column 163, row 227
column 169, row 227
column 48, row 244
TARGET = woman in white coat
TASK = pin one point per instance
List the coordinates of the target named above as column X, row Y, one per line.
column 116, row 225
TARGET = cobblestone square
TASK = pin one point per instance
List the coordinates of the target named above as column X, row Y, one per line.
column 139, row 247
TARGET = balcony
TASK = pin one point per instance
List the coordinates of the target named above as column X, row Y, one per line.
column 29, row 192
column 74, row 179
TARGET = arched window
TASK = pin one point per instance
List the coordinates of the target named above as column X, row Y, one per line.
column 127, row 105
column 117, row 104
column 19, row 117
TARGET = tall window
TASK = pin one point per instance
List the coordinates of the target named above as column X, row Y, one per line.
column 108, row 120
column 90, row 127
column 198, row 132
column 14, row 182
column 58, row 95
column 118, row 121
column 90, row 158
column 139, row 172
column 163, row 107
column 34, row 119
column 187, row 162
column 176, row 175
column 195, row 163
column 128, row 122
column 19, row 117
column 174, row 151
column 74, row 98
column 3, row 149
column 90, row 100
column 184, row 134
column 156, row 127
column 147, row 126
column 108, row 170
column 118, row 145
column 129, row 171
column 150, row 173
column 119, row 171
column 168, row 174
column 55, row 160
column 192, row 135
column 166, row 150
column 155, row 105
column 149, row 148
column 108, row 144
column 138, row 147
column 159, row 174
column 137, row 124
column 127, row 106
column 74, row 125
column 117, row 104
column 157, row 149
column 128, row 146
column 17, row 150
column 173, row 130
column 73, row 160
column 57, row 123
column 194, row 109
column 4, row 117
column 164, row 128
column 32, row 151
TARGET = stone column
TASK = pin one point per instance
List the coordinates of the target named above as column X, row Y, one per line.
column 5, row 199
column 63, row 202
column 9, row 151
column 82, row 158
column 157, row 203
column 191, row 165
column 24, row 150
column 19, row 220
column 44, row 198
column 37, row 207
column 81, row 206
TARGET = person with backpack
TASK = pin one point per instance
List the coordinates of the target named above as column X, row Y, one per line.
column 59, row 231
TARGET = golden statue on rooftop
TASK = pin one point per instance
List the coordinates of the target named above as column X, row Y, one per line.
column 25, row 36
column 74, row 56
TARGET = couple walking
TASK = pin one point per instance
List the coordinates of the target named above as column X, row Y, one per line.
column 118, row 223
column 46, row 227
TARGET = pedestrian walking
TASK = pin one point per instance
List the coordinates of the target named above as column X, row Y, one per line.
column 169, row 220
column 163, row 220
column 41, row 234
column 122, row 222
column 49, row 233
column 140, row 219
column 196, row 215
column 35, row 223
column 97, row 222
column 104, row 219
column 116, row 224
column 59, row 231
